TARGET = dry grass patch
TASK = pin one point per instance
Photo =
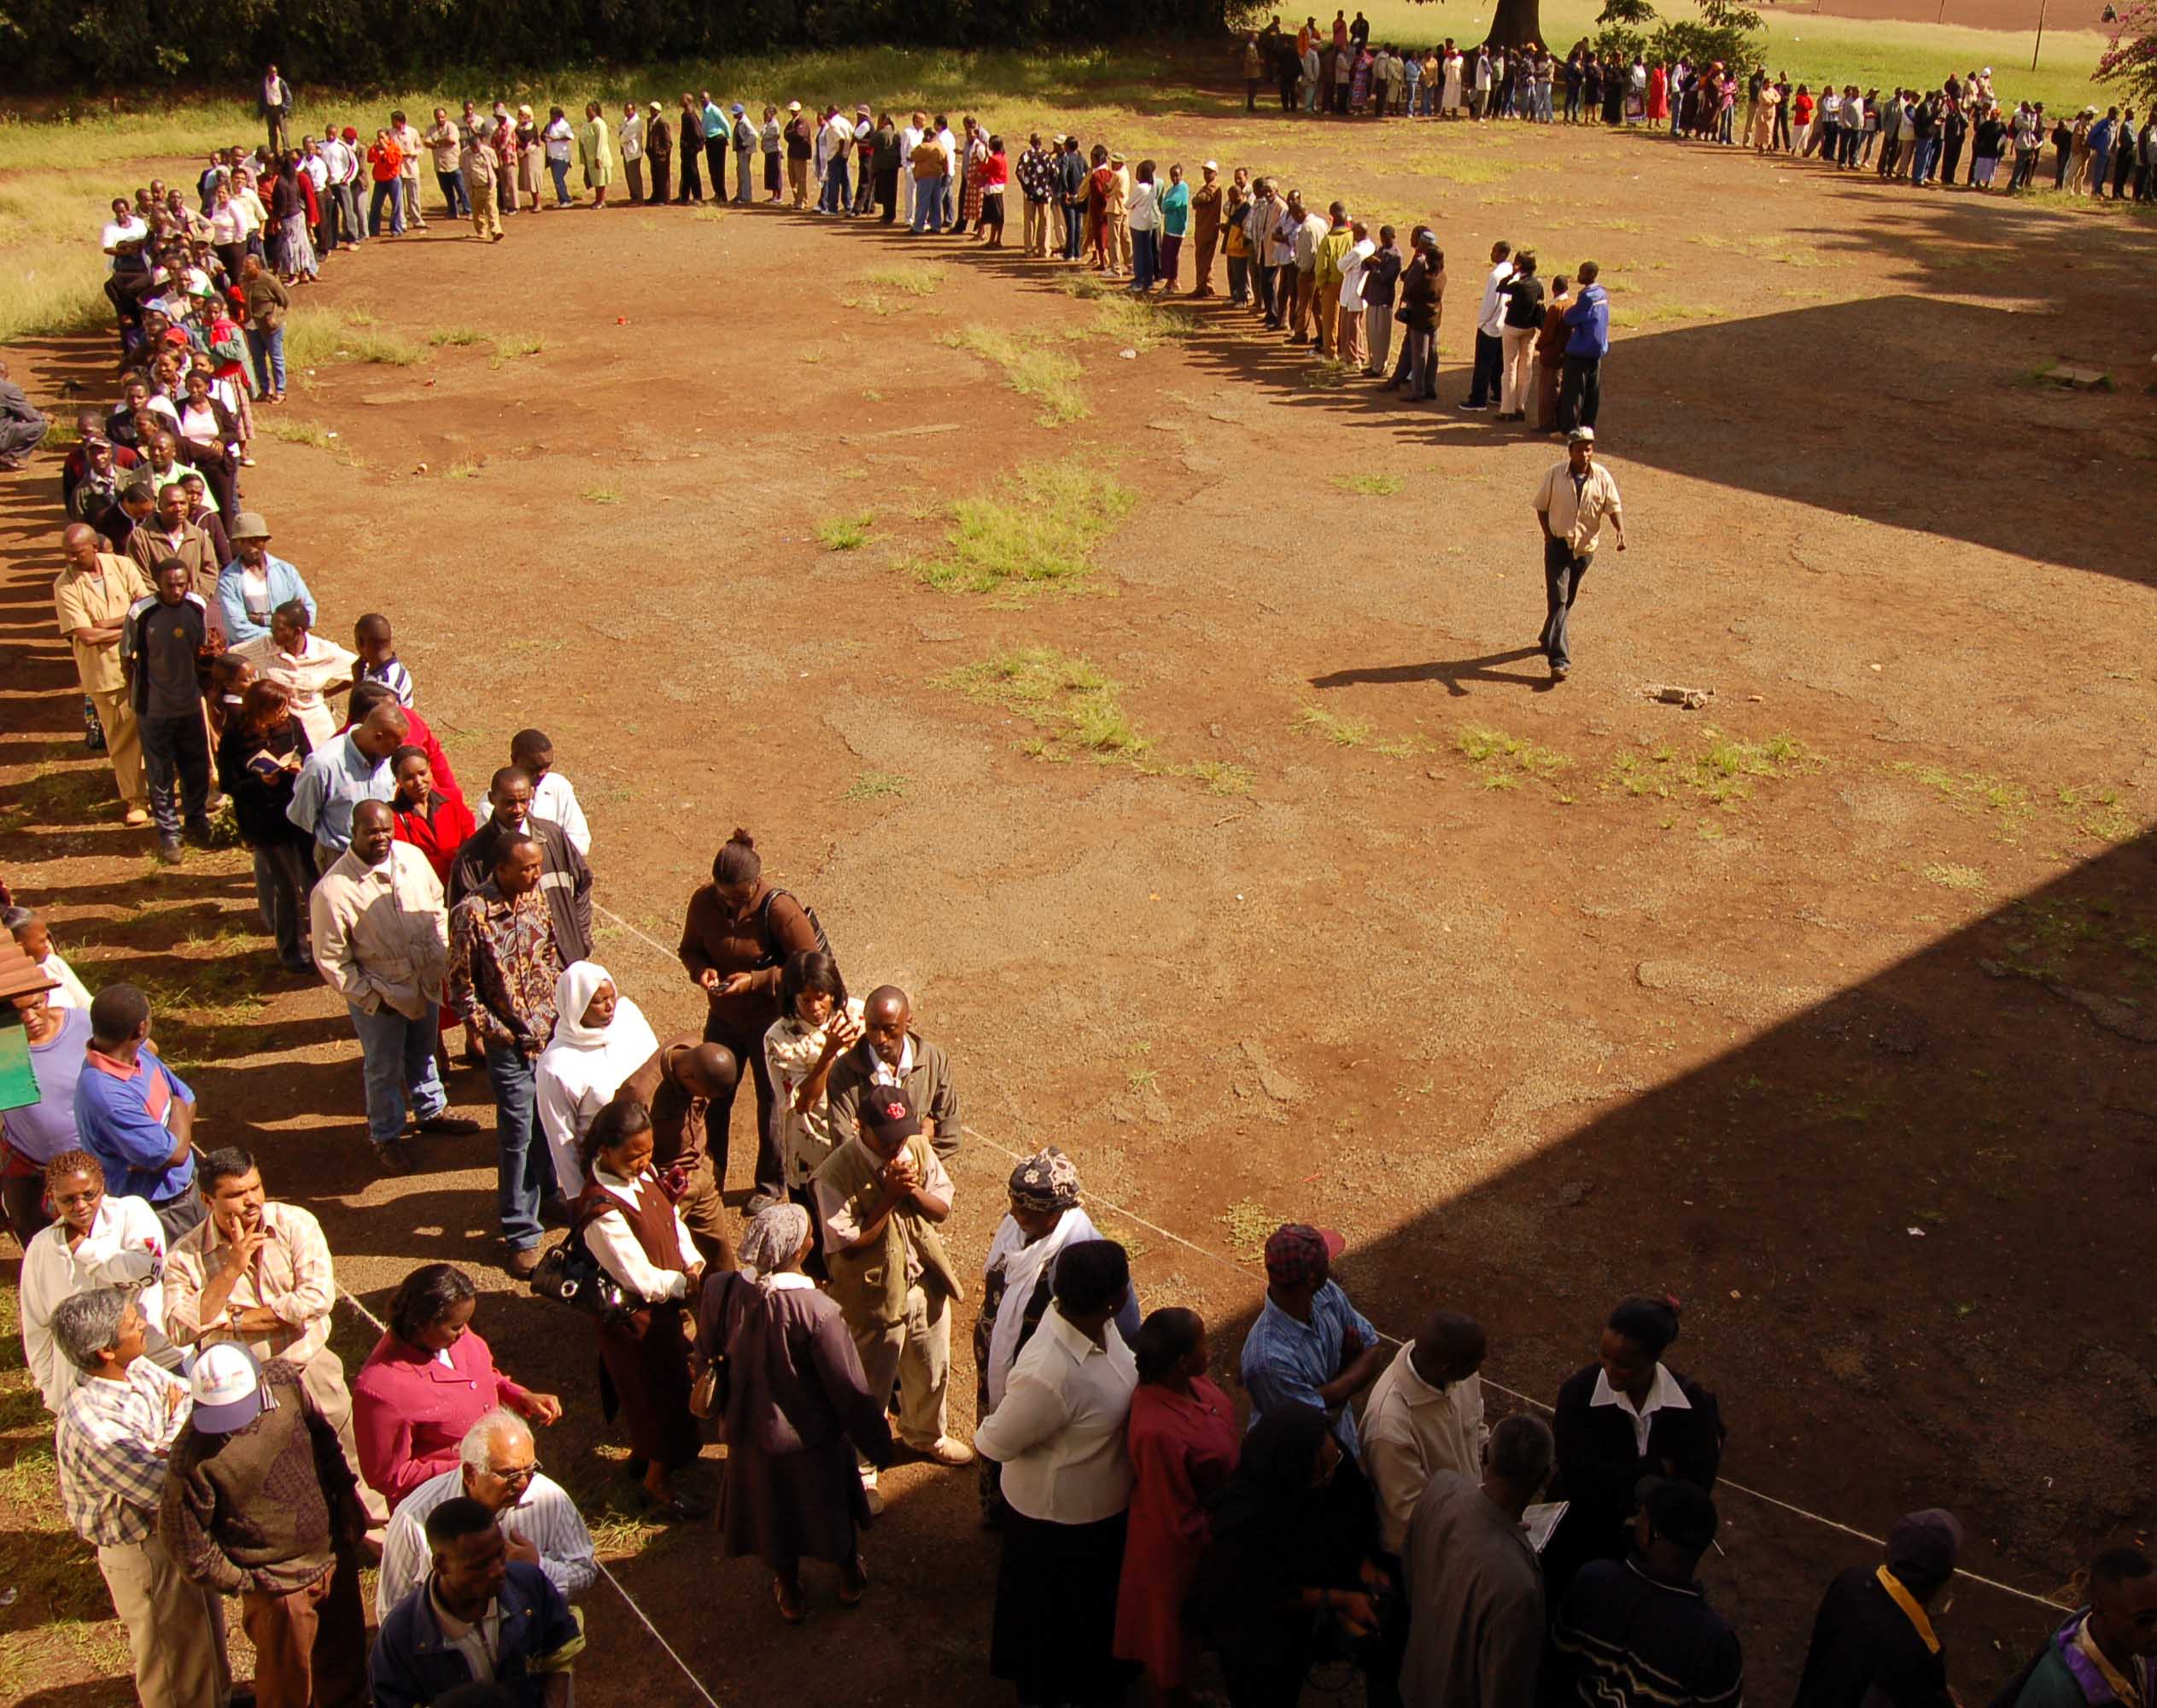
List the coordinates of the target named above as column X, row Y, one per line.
column 1038, row 529
column 1074, row 708
column 1031, row 369
column 845, row 533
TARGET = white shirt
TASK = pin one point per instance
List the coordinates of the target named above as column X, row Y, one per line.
column 1490, row 316
column 555, row 801
column 128, row 230
column 124, row 1247
column 479, row 1642
column 1059, row 1432
column 546, row 1518
column 613, row 1242
column 631, row 136
column 1411, row 1432
column 1664, row 1395
column 1144, row 207
column 71, row 994
column 1352, row 272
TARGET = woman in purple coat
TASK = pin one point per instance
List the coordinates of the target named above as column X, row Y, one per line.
column 798, row 1407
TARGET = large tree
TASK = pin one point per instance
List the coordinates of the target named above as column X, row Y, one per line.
column 1515, row 24
column 2131, row 59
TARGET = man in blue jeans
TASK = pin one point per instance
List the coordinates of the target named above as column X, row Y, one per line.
column 1587, row 341
column 381, row 941
column 1575, row 499
column 504, row 960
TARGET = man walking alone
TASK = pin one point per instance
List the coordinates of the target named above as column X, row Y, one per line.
column 1571, row 505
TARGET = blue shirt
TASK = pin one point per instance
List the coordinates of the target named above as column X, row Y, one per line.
column 1590, row 319
column 335, row 780
column 718, row 126
column 121, row 1120
column 1286, row 1362
column 285, row 583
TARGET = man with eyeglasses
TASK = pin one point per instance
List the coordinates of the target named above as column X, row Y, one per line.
column 499, row 1469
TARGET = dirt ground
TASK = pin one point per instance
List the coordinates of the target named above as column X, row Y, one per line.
column 1825, row 1007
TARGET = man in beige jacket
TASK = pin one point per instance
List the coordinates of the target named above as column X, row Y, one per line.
column 91, row 597
column 381, row 941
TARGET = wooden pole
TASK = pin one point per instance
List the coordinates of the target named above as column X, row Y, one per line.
column 2039, row 48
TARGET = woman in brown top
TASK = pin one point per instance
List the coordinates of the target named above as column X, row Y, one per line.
column 630, row 1226
column 734, row 944
column 1550, row 355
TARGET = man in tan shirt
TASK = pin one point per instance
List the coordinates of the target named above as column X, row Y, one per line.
column 1576, row 498
column 381, row 941
column 170, row 535
column 91, row 596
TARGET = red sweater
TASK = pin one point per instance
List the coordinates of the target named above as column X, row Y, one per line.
column 410, row 1412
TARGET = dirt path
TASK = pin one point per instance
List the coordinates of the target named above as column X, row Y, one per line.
column 1816, row 1007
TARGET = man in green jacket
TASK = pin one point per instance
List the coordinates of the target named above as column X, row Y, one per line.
column 2104, row 1654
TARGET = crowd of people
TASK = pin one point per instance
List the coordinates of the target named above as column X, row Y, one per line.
column 1360, row 1512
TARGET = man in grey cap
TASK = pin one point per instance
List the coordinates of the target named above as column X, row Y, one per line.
column 744, row 136
column 1574, row 499
column 1873, row 1638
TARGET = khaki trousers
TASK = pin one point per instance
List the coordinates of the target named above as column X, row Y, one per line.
column 486, row 220
column 1348, row 335
column 322, row 1377
column 123, row 744
column 175, row 1627
column 1120, row 243
column 1037, row 226
column 1518, row 369
column 310, row 1644
column 1202, row 267
column 798, row 181
column 1305, row 289
column 916, row 1352
column 409, row 189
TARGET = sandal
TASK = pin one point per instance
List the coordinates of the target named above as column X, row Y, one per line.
column 790, row 1610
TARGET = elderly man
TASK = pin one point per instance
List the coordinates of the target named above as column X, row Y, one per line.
column 116, row 1429
column 1310, row 1346
column 1425, row 1415
column 314, row 671
column 892, row 1053
column 564, row 882
column 1474, row 1586
column 504, row 959
column 481, row 1618
column 134, row 1115
column 255, row 582
column 91, row 597
column 479, row 167
column 497, row 1467
column 881, row 1197
column 676, row 1084
column 1574, row 499
column 381, row 942
column 162, row 640
column 335, row 779
column 1872, row 1639
column 260, row 1502
column 171, row 534
column 21, row 425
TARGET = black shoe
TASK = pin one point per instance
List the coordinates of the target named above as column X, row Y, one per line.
column 197, row 832
column 168, row 850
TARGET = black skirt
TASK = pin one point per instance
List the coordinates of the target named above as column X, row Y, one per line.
column 1055, row 1617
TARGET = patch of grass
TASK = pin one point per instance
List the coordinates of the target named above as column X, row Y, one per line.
column 1039, row 530
column 1370, row 486
column 1219, row 776
column 1136, row 323
column 301, row 433
column 909, row 279
column 711, row 216
column 463, row 469
column 1723, row 771
column 1031, row 369
column 1949, row 876
column 1343, row 731
column 457, row 335
column 514, row 345
column 1249, row 1225
column 1073, row 706
column 876, row 785
column 1971, row 791
column 2096, row 812
column 845, row 533
column 600, row 495
column 1504, row 760
column 1637, row 776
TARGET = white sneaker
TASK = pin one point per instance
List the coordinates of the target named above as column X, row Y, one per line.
column 945, row 1451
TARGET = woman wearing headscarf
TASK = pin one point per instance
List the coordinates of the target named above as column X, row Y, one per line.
column 634, row 1233
column 600, row 1038
column 798, row 1408
column 531, row 157
column 1059, row 1436
column 1183, row 1441
column 734, row 944
column 1019, row 1279
column 1291, row 1566
column 1625, row 1417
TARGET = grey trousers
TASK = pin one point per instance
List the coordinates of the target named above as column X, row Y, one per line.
column 917, row 1353
column 1377, row 335
column 1562, row 573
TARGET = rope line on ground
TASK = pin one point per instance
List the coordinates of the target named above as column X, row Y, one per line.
column 1247, row 1273
column 630, row 1600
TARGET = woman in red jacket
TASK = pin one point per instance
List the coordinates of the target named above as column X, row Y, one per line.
column 437, row 825
column 428, row 1380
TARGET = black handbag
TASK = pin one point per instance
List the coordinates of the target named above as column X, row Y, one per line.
column 570, row 1275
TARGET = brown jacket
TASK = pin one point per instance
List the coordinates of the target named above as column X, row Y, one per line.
column 712, row 939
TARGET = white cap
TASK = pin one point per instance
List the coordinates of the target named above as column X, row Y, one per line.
column 1212, row 165
column 227, row 1386
column 1580, row 435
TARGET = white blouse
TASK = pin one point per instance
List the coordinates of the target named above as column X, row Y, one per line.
column 124, row 1247
column 613, row 1242
column 1059, row 1431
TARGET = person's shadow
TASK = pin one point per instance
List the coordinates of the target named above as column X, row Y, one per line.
column 1452, row 672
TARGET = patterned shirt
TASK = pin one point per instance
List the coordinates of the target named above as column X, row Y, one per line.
column 112, row 1443
column 1286, row 1362
column 545, row 1517
column 1037, row 175
column 503, row 964
column 291, row 1275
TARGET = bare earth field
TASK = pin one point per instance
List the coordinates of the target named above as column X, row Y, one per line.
column 1827, row 1007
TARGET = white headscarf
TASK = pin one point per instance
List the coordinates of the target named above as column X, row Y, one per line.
column 1023, row 1265
column 584, row 1066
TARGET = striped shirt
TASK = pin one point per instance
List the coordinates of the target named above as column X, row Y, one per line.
column 546, row 1518
column 112, row 1443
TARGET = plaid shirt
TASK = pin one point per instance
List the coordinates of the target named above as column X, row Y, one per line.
column 112, row 1443
column 503, row 964
column 291, row 1275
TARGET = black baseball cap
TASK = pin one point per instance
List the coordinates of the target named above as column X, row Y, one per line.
column 1680, row 1512
column 888, row 1112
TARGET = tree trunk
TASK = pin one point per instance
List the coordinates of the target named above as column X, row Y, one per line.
column 1515, row 24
